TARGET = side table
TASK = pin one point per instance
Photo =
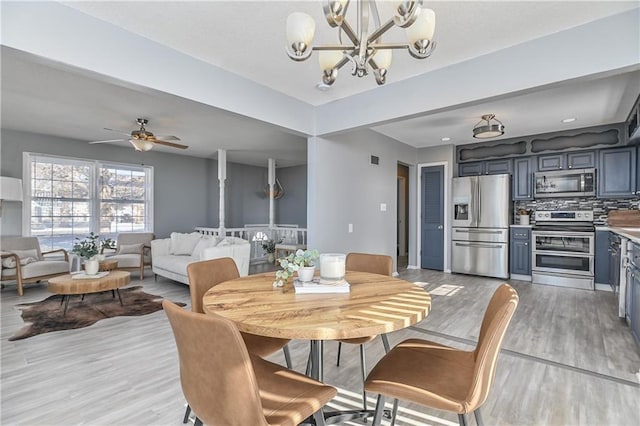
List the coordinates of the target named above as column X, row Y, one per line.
column 108, row 265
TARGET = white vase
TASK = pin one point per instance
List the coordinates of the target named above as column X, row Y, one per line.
column 305, row 273
column 271, row 257
column 91, row 267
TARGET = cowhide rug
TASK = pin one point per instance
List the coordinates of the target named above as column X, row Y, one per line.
column 46, row 316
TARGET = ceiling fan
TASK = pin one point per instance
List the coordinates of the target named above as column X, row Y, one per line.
column 144, row 140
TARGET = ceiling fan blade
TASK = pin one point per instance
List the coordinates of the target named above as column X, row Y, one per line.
column 171, row 144
column 107, row 141
column 168, row 138
column 122, row 132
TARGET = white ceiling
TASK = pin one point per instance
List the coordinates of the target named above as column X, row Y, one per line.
column 247, row 39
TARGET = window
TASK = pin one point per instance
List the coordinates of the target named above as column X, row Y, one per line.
column 70, row 198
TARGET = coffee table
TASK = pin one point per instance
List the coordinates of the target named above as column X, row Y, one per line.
column 67, row 286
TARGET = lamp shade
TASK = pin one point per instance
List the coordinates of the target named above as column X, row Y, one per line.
column 328, row 59
column 10, row 189
column 141, row 144
column 423, row 27
column 300, row 28
column 383, row 58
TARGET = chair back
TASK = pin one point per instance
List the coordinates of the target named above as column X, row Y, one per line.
column 372, row 263
column 134, row 238
column 207, row 273
column 494, row 326
column 216, row 374
column 21, row 243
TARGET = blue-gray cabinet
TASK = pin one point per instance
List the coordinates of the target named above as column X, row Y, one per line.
column 634, row 315
column 617, row 174
column 523, row 169
column 569, row 160
column 520, row 251
column 489, row 167
column 602, row 257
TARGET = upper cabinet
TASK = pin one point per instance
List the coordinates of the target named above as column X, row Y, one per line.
column 491, row 167
column 633, row 122
column 617, row 172
column 569, row 160
column 523, row 169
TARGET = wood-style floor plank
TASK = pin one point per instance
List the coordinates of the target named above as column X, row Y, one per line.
column 567, row 360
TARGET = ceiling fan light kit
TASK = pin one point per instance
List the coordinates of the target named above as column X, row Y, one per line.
column 366, row 51
column 488, row 127
column 144, row 140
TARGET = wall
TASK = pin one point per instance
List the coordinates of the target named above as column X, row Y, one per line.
column 292, row 207
column 185, row 188
column 343, row 189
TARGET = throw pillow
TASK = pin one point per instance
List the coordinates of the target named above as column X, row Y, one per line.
column 25, row 256
column 202, row 244
column 183, row 244
column 130, row 248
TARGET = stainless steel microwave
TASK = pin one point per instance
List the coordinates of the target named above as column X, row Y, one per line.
column 565, row 183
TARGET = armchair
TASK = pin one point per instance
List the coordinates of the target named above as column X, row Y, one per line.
column 23, row 261
column 133, row 251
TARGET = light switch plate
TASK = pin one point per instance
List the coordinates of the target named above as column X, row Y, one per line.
column 383, row 207
column 351, row 227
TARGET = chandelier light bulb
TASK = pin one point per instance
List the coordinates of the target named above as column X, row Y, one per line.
column 300, row 30
column 420, row 33
column 337, row 6
column 383, row 58
column 328, row 59
column 141, row 144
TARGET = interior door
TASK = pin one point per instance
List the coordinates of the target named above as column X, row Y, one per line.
column 432, row 218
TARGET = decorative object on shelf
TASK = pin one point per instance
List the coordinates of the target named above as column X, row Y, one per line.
column 10, row 190
column 278, row 190
column 292, row 263
column 332, row 266
column 488, row 127
column 269, row 246
column 366, row 50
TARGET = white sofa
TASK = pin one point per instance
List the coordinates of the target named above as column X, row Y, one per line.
column 170, row 256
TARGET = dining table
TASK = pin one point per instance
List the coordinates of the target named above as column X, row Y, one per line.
column 375, row 304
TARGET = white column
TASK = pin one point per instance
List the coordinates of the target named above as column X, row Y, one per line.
column 222, row 176
column 272, row 183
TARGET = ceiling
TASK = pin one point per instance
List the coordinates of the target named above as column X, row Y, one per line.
column 246, row 38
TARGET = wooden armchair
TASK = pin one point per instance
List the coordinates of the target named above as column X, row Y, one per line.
column 23, row 261
column 133, row 251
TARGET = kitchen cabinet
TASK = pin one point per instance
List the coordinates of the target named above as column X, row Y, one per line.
column 523, row 169
column 489, row 167
column 614, row 261
column 617, row 172
column 634, row 315
column 602, row 257
column 569, row 160
column 520, row 251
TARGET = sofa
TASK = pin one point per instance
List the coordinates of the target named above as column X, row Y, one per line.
column 170, row 256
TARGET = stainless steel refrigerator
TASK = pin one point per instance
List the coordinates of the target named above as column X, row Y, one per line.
column 481, row 217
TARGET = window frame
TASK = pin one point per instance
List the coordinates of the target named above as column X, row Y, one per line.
column 94, row 198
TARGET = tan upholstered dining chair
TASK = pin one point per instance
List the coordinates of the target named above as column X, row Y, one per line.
column 23, row 261
column 226, row 385
column 207, row 273
column 443, row 377
column 375, row 264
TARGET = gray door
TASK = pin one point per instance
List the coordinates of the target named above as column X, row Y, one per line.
column 432, row 218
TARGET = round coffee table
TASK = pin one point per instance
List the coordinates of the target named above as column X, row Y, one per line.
column 67, row 286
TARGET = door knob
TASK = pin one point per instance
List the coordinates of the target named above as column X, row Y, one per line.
column 440, row 226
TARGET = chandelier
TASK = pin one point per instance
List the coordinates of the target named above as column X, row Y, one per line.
column 485, row 129
column 366, row 50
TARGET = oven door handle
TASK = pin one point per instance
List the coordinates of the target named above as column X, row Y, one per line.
column 478, row 231
column 480, row 245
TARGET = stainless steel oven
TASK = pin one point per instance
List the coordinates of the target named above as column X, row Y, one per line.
column 563, row 249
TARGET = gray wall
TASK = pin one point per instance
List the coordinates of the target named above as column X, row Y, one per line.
column 185, row 188
column 343, row 189
column 292, row 207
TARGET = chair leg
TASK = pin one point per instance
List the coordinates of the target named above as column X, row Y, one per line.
column 394, row 412
column 198, row 422
column 308, row 369
column 462, row 420
column 287, row 356
column 478, row 416
column 339, row 350
column 385, row 343
column 318, row 416
column 187, row 413
column 20, row 288
column 377, row 415
column 363, row 370
column 142, row 273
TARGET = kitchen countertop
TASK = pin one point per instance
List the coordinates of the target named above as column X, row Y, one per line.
column 632, row 233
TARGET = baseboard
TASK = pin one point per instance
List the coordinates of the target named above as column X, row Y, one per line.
column 520, row 277
column 603, row 287
column 413, row 267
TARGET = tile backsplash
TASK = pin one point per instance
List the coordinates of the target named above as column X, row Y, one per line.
column 600, row 207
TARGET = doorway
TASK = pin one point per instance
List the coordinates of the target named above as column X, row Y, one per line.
column 402, row 225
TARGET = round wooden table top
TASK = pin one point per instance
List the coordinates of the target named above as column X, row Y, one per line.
column 65, row 284
column 376, row 304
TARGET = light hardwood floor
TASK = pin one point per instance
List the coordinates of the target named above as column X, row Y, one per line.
column 566, row 360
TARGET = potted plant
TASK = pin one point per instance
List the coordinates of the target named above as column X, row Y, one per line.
column 269, row 246
column 89, row 248
column 302, row 261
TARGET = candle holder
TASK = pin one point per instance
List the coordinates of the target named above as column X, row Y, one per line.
column 332, row 266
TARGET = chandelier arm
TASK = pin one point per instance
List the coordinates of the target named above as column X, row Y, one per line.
column 348, row 30
column 378, row 32
column 363, row 10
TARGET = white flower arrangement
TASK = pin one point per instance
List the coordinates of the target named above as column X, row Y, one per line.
column 291, row 263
